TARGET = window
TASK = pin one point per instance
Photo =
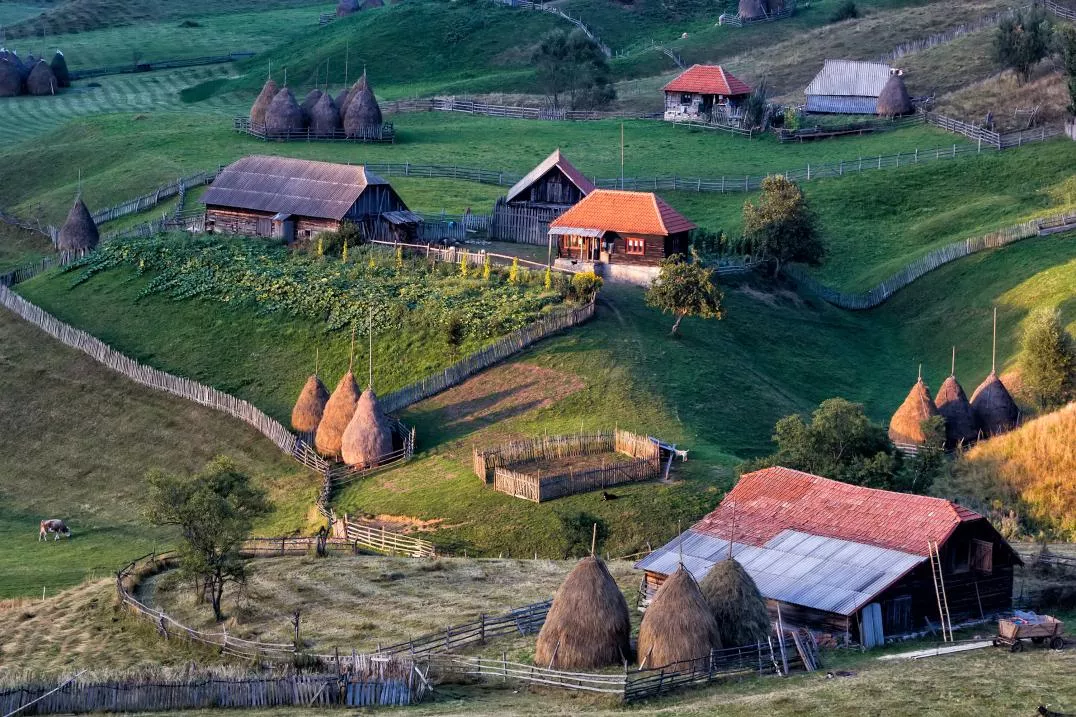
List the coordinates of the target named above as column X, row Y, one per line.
column 982, row 556
column 686, row 98
column 635, row 246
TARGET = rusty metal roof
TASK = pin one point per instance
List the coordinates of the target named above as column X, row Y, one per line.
column 555, row 160
column 290, row 186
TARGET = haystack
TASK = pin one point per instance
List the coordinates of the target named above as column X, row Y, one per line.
column 906, row 426
column 10, row 78
column 338, row 412
column 324, row 117
column 341, row 101
column 284, row 114
column 894, row 100
column 994, row 409
column 41, row 81
column 371, row 4
column 347, row 7
column 363, row 115
column 953, row 405
column 368, row 436
column 79, row 232
column 306, row 415
column 751, row 10
column 307, row 106
column 588, row 624
column 678, row 625
column 265, row 98
column 59, row 68
column 736, row 603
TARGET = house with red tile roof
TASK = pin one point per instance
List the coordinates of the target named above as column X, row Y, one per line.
column 705, row 93
column 849, row 562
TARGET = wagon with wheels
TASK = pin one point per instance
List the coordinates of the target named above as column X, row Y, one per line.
column 1041, row 630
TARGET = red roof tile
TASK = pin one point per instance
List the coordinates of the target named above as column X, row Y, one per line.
column 624, row 212
column 769, row 501
column 708, row 80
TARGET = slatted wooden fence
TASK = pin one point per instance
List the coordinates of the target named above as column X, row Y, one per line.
column 526, row 620
column 153, row 198
column 387, row 542
column 384, row 133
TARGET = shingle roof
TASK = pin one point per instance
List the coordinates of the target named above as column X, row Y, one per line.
column 625, row 212
column 557, row 160
column 708, row 80
column 290, row 186
column 849, row 78
column 769, row 501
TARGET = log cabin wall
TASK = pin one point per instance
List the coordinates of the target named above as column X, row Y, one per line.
column 239, row 221
column 655, row 248
column 552, row 188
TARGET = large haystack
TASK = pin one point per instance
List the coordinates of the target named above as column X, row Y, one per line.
column 368, row 436
column 736, row 603
column 588, row 625
column 338, row 412
column 906, row 426
column 261, row 105
column 343, row 101
column 10, row 78
column 994, row 409
column 751, row 10
column 954, row 407
column 347, row 7
column 309, row 407
column 363, row 115
column 324, row 117
column 284, row 114
column 678, row 624
column 307, row 106
column 41, row 81
column 79, row 233
column 59, row 68
column 894, row 100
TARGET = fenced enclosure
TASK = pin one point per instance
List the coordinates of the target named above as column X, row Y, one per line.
column 383, row 133
column 734, row 20
column 527, row 620
column 155, row 197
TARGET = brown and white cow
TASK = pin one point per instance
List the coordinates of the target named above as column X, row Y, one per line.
column 53, row 525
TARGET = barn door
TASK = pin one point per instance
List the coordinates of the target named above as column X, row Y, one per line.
column 265, row 227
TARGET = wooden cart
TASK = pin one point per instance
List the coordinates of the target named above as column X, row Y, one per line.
column 1013, row 633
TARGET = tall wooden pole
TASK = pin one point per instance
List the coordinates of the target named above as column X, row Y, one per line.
column 994, row 349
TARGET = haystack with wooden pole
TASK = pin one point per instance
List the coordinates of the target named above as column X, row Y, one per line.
column 310, row 406
column 324, row 117
column 41, row 81
column 362, row 117
column 678, row 624
column 894, row 100
column 337, row 415
column 10, row 78
column 906, row 426
column 994, row 408
column 588, row 625
column 347, row 7
column 368, row 436
column 954, row 407
column 284, row 114
column 261, row 105
column 307, row 106
column 736, row 603
column 78, row 234
column 59, row 69
column 751, row 10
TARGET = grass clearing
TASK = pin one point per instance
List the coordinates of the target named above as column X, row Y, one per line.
column 19, row 247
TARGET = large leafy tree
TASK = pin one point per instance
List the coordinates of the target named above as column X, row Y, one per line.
column 685, row 288
column 781, row 227
column 1067, row 40
column 214, row 510
column 570, row 63
column 1023, row 40
column 1048, row 360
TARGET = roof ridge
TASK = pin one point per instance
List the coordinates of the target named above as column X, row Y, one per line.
column 657, row 211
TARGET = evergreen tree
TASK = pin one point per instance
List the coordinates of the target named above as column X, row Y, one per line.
column 1048, row 360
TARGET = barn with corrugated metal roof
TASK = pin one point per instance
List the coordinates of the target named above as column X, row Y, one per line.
column 847, row 87
column 294, row 199
column 846, row 561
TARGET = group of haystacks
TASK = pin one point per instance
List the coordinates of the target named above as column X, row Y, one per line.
column 33, row 77
column 346, row 425
column 355, row 111
column 588, row 624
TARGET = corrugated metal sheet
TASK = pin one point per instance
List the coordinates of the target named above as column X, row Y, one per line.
column 850, row 78
column 842, row 105
column 576, row 231
column 290, row 186
column 814, row 571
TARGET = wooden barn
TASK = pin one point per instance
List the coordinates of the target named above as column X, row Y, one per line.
column 705, row 93
column 294, row 199
column 847, row 87
column 850, row 562
column 523, row 215
column 611, row 226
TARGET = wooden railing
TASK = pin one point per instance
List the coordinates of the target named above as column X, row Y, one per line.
column 155, row 197
column 382, row 133
column 526, row 620
column 734, row 20
column 541, row 6
column 387, row 542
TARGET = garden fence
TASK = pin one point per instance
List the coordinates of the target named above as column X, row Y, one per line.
column 942, row 38
column 387, row 542
column 734, row 20
column 155, row 197
column 486, row 461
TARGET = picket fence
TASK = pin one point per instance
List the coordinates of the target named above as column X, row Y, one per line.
column 734, row 20
column 528, row 5
column 526, row 620
column 942, row 38
column 158, row 195
column 929, row 262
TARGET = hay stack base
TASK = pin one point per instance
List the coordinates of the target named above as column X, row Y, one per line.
column 338, row 412
column 678, row 624
column 368, row 436
column 79, row 233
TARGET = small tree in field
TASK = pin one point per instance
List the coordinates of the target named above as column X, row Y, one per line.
column 685, row 289
column 1067, row 41
column 1048, row 361
column 781, row 227
column 214, row 510
column 1023, row 40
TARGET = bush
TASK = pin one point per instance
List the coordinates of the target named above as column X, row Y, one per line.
column 1022, row 41
column 585, row 286
column 1048, row 360
column 847, row 10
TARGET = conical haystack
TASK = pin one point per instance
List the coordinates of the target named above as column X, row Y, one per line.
column 307, row 106
column 994, row 409
column 261, row 105
column 368, row 437
column 309, row 407
column 751, row 10
column 284, row 114
column 906, row 426
column 59, row 68
column 894, row 99
column 79, row 232
column 342, row 100
column 588, row 625
column 41, row 81
column 953, row 405
column 324, row 117
column 736, row 603
column 363, row 116
column 678, row 625
column 338, row 412
column 10, row 78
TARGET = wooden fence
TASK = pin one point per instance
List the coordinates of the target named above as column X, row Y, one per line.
column 734, row 20
column 1060, row 10
column 526, row 620
column 973, row 132
column 155, row 197
column 486, row 461
column 529, row 112
column 384, row 133
column 942, row 38
column 929, row 262
column 541, row 6
column 387, row 542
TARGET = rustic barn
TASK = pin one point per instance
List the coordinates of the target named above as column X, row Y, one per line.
column 707, row 93
column 848, row 87
column 846, row 561
column 297, row 198
column 524, row 213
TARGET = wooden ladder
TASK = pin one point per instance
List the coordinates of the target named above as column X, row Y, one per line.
column 939, row 591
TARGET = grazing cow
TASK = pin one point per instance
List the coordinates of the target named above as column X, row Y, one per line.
column 53, row 525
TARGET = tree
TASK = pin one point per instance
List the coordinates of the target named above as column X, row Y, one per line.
column 685, row 289
column 572, row 63
column 928, row 463
column 214, row 510
column 1067, row 40
column 1023, row 40
column 756, row 109
column 781, row 227
column 1048, row 360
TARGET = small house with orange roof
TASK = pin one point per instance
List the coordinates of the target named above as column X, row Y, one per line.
column 846, row 561
column 705, row 93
